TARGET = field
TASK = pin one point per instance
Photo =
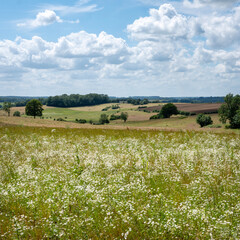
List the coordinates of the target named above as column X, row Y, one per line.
column 192, row 108
column 136, row 118
column 118, row 184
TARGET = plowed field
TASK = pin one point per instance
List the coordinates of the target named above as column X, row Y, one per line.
column 192, row 107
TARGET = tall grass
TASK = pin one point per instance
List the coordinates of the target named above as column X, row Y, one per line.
column 108, row 184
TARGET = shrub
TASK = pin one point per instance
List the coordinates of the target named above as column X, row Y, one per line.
column 103, row 119
column 82, row 121
column 114, row 117
column 184, row 113
column 154, row 117
column 60, row 120
column 203, row 120
column 16, row 114
column 115, row 106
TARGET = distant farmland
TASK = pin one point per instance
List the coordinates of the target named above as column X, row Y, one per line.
column 190, row 107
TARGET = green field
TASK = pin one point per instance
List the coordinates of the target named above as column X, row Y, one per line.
column 118, row 184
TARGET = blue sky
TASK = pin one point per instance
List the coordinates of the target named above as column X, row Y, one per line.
column 120, row 48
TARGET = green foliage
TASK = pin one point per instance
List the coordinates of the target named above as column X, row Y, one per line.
column 7, row 107
column 236, row 120
column 16, row 114
column 106, row 108
column 115, row 106
column 203, row 120
column 103, row 119
column 114, row 117
column 154, row 117
column 184, row 113
column 76, row 100
column 81, row 121
column 168, row 110
column 229, row 109
column 34, row 108
column 124, row 116
column 61, row 119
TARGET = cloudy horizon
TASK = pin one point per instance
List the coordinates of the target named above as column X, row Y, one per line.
column 130, row 48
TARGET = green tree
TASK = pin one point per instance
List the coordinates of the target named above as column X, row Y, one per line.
column 168, row 110
column 103, row 119
column 7, row 107
column 203, row 120
column 236, row 120
column 124, row 116
column 34, row 108
column 16, row 114
column 229, row 109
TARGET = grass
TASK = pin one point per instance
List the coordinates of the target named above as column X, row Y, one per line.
column 118, row 184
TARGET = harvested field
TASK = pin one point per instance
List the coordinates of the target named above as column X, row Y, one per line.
column 191, row 107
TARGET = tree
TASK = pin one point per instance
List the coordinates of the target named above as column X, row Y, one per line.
column 168, row 110
column 236, row 120
column 229, row 109
column 203, row 120
column 16, row 114
column 124, row 116
column 103, row 119
column 34, row 108
column 7, row 107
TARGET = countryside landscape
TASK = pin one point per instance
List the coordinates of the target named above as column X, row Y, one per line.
column 120, row 120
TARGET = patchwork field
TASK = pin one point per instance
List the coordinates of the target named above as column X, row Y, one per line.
column 118, row 184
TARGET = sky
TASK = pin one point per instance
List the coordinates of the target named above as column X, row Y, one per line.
column 120, row 47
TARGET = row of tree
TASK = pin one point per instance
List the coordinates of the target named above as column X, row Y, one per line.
column 76, row 100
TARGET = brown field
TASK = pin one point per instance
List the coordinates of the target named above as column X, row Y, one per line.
column 191, row 107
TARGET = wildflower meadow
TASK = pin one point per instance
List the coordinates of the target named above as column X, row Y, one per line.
column 118, row 184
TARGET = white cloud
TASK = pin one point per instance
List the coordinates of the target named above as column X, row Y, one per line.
column 42, row 19
column 45, row 18
column 221, row 31
column 164, row 22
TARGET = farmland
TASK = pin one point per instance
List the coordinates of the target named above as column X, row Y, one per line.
column 138, row 116
column 118, row 184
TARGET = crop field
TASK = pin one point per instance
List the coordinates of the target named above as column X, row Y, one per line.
column 118, row 184
column 191, row 107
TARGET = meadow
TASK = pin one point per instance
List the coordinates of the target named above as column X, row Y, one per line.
column 118, row 184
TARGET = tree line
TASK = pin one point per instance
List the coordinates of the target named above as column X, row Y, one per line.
column 76, row 100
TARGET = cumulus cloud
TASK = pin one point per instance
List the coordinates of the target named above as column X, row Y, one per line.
column 45, row 18
column 221, row 31
column 164, row 22
column 42, row 19
column 209, row 57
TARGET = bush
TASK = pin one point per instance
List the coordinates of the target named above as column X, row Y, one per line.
column 105, row 109
column 184, row 113
column 154, row 117
column 115, row 106
column 82, row 121
column 114, row 117
column 103, row 119
column 16, row 114
column 203, row 120
column 60, row 120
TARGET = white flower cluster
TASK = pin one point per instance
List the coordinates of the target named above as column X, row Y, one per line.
column 99, row 184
